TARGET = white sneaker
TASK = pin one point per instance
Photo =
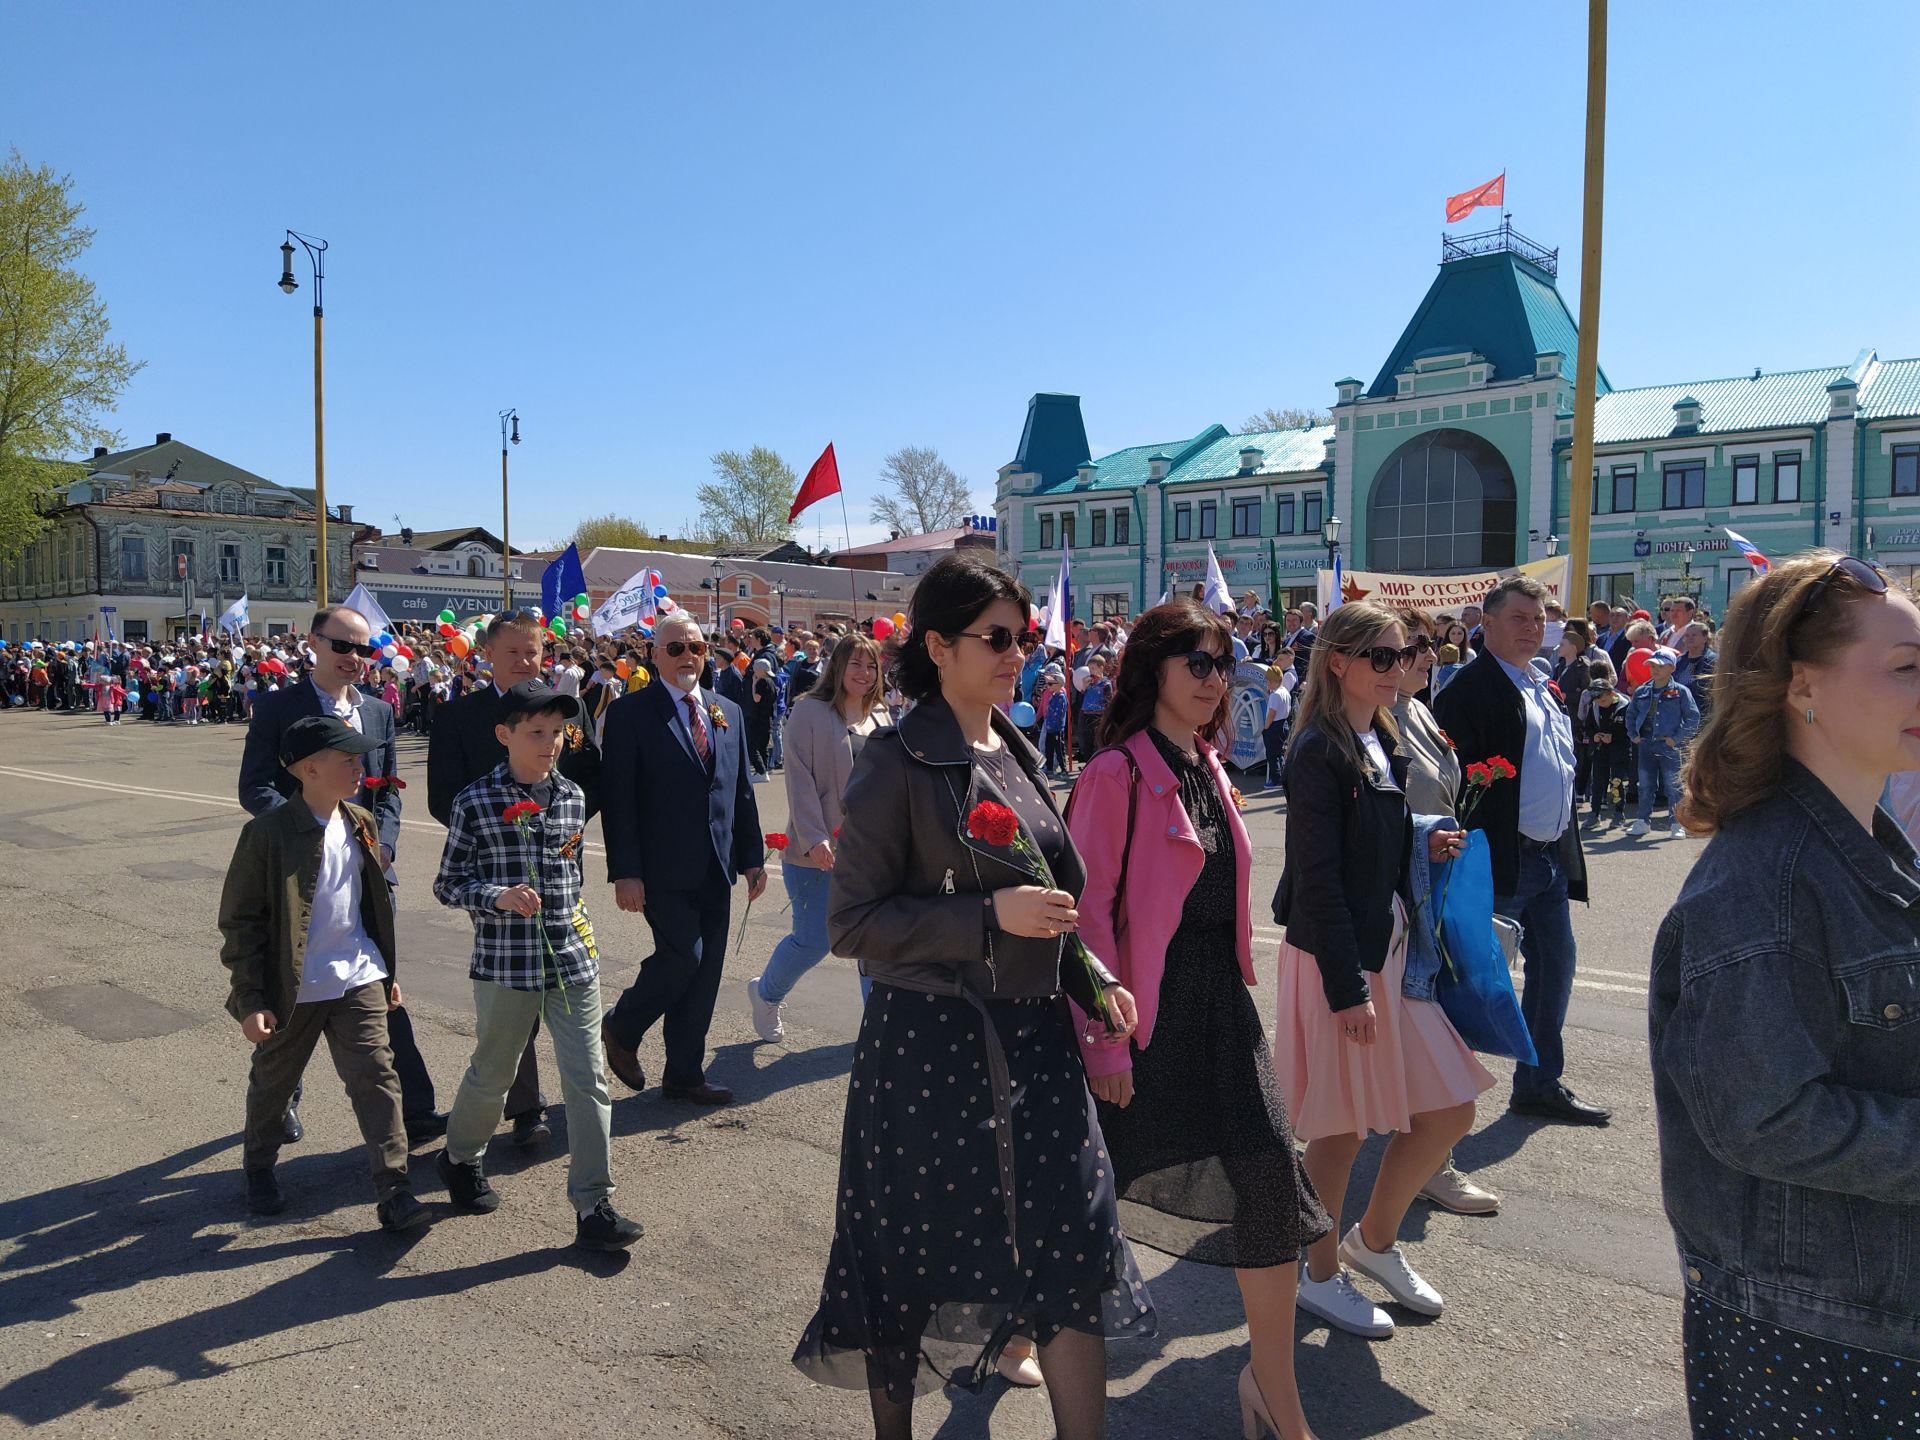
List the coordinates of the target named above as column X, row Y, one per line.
column 766, row 1015
column 1679, row 832
column 1390, row 1268
column 1340, row 1305
column 1638, row 827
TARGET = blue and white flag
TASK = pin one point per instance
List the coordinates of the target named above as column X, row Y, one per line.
column 234, row 617
column 1216, row 596
column 634, row 603
column 560, row 582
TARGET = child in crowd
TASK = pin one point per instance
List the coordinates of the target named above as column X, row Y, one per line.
column 1093, row 706
column 332, row 976
column 112, row 698
column 1661, row 719
column 1447, row 666
column 1053, row 709
column 514, row 861
column 1600, row 724
column 1279, row 709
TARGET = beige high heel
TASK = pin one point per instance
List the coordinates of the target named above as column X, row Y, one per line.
column 1023, row 1368
column 1255, row 1420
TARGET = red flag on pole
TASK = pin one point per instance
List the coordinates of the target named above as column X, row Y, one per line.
column 822, row 480
column 1494, row 192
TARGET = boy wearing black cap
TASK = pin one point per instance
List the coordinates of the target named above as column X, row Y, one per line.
column 513, row 862
column 305, row 967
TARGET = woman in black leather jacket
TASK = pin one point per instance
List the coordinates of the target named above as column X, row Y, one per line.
column 976, row 1202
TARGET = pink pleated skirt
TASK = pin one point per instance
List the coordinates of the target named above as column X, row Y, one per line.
column 1417, row 1063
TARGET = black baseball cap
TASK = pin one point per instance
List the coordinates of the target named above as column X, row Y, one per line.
column 531, row 695
column 311, row 734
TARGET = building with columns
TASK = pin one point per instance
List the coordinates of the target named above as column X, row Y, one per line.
column 1454, row 458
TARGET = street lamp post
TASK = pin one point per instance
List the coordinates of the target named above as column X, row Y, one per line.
column 509, row 432
column 1330, row 537
column 780, row 588
column 1553, row 546
column 316, row 250
column 718, row 565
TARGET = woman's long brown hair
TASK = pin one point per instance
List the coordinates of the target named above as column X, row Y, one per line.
column 1170, row 629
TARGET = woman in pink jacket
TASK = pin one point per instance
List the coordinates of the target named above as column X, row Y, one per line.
column 1194, row 1120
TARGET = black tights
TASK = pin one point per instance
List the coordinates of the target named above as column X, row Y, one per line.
column 1075, row 1366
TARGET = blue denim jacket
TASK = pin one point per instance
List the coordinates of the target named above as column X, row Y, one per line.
column 1423, row 946
column 1675, row 714
column 1785, row 1028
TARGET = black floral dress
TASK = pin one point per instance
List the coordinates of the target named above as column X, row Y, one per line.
column 938, row 1260
column 1203, row 1156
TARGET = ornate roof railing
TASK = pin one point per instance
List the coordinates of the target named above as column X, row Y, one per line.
column 1494, row 242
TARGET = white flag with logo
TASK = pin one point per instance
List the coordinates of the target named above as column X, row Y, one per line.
column 628, row 606
column 1217, row 597
column 234, row 617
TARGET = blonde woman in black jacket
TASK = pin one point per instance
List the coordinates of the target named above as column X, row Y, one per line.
column 976, row 1202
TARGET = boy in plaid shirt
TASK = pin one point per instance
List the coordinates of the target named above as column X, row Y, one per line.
column 513, row 862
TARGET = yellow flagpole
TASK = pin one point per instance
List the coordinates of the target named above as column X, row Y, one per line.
column 1587, row 368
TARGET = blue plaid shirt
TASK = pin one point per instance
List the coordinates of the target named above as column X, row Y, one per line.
column 485, row 855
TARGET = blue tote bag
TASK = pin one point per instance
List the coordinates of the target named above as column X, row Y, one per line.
column 1474, row 985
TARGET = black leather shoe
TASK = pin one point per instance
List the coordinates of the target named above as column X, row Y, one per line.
column 428, row 1125
column 400, row 1211
column 606, row 1229
column 624, row 1063
column 701, row 1094
column 467, row 1185
column 531, row 1128
column 291, row 1130
column 1563, row 1106
column 263, row 1193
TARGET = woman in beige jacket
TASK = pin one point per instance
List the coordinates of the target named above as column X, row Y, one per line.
column 825, row 730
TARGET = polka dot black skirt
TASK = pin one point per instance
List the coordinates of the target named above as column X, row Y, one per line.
column 1748, row 1380
column 955, row 1231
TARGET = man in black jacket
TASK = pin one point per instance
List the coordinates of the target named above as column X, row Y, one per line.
column 1500, row 705
column 461, row 748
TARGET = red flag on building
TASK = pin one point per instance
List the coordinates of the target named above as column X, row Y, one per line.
column 1494, row 192
column 822, row 480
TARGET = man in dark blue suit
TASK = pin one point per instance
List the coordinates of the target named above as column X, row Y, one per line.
column 340, row 640
column 681, row 827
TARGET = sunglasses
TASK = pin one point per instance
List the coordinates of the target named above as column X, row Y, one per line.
column 677, row 648
column 1861, row 573
column 999, row 639
column 1202, row 663
column 1384, row 657
column 348, row 647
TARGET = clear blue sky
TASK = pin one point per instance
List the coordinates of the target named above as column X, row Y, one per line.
column 662, row 231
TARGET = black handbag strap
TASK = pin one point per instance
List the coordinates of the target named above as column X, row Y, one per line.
column 1133, row 803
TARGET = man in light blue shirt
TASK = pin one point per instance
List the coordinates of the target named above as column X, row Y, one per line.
column 1547, row 767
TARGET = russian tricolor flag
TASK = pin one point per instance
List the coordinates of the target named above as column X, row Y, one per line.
column 1759, row 562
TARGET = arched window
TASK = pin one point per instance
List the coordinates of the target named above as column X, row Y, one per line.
column 1443, row 501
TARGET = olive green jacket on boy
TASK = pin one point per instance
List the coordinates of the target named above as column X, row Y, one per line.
column 268, row 901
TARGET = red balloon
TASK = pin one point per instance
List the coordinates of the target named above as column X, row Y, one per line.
column 403, row 652
column 1639, row 667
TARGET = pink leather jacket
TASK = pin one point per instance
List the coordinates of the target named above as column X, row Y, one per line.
column 1164, row 861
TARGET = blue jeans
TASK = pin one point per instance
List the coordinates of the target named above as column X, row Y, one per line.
column 806, row 945
column 1539, row 903
column 779, row 732
column 1659, row 764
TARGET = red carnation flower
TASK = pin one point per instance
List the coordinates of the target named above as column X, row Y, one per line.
column 776, row 841
column 384, row 782
column 519, row 812
column 1503, row 767
column 994, row 823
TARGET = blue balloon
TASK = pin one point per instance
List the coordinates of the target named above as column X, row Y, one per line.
column 1022, row 714
column 659, row 592
column 133, row 697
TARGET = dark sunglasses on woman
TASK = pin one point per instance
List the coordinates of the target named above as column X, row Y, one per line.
column 677, row 648
column 1861, row 573
column 1384, row 657
column 999, row 639
column 1202, row 663
column 350, row 647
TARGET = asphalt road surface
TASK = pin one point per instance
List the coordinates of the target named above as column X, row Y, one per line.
column 136, row 1298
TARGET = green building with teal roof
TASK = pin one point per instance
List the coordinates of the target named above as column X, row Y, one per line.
column 1455, row 458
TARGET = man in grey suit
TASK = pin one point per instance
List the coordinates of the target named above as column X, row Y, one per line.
column 340, row 640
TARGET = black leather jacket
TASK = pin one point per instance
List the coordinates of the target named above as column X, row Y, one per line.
column 911, row 890
column 1349, row 840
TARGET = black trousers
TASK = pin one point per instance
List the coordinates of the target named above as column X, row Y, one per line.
column 679, row 982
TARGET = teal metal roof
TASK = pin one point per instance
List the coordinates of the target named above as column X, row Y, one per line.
column 1127, row 469
column 1894, row 390
column 1500, row 305
column 1054, row 443
column 1283, row 452
column 1787, row 398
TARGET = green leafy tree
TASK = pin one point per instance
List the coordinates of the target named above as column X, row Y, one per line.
column 1289, row 418
column 59, row 372
column 921, row 493
column 747, row 501
column 615, row 532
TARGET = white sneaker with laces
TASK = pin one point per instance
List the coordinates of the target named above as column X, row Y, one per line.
column 1390, row 1268
column 1340, row 1305
column 767, row 1023
column 1638, row 827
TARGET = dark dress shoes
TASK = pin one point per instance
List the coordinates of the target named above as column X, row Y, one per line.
column 263, row 1193
column 606, row 1229
column 291, row 1130
column 467, row 1185
column 400, row 1211
column 428, row 1125
column 624, row 1063
column 531, row 1128
column 701, row 1094
column 1563, row 1106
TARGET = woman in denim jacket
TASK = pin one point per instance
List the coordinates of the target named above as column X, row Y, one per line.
column 1785, row 1018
